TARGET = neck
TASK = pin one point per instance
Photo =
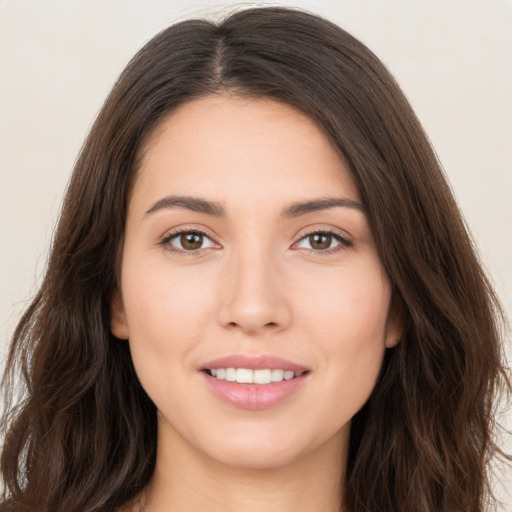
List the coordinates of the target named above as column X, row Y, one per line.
column 186, row 480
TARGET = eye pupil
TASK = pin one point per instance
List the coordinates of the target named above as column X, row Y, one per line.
column 191, row 241
column 320, row 241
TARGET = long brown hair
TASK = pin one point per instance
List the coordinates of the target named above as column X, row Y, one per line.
column 83, row 436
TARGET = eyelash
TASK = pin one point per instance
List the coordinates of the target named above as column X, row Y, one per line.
column 166, row 241
column 344, row 242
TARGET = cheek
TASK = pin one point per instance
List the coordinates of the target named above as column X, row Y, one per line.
column 163, row 294
column 351, row 303
column 348, row 321
column 166, row 312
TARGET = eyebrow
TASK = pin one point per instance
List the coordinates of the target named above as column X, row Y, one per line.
column 215, row 209
column 303, row 207
column 194, row 204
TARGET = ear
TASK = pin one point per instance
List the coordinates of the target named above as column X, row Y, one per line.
column 395, row 323
column 118, row 323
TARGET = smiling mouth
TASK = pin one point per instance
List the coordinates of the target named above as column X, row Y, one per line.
column 249, row 376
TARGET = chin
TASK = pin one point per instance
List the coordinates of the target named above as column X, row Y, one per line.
column 258, row 457
column 275, row 450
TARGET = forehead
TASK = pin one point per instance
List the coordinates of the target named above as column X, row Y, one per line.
column 232, row 147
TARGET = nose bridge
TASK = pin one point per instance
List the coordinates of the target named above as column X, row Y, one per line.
column 254, row 298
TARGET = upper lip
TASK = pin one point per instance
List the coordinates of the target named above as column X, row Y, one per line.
column 261, row 362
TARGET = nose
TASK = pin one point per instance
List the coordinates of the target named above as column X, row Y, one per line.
column 254, row 298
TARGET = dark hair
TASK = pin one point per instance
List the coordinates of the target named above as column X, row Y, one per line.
column 83, row 439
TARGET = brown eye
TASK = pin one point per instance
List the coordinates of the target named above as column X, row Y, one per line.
column 188, row 241
column 191, row 241
column 320, row 241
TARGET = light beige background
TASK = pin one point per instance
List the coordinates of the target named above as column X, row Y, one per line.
column 58, row 60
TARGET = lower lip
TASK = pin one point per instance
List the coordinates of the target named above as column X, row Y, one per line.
column 254, row 396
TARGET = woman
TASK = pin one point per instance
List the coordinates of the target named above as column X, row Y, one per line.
column 261, row 292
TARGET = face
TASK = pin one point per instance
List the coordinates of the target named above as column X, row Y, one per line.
column 255, row 304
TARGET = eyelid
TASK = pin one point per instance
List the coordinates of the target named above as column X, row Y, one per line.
column 345, row 241
column 175, row 232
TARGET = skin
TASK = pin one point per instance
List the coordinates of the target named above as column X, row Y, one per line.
column 258, row 284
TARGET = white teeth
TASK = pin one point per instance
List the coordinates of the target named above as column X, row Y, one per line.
column 230, row 374
column 248, row 376
column 277, row 375
column 244, row 376
column 262, row 376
